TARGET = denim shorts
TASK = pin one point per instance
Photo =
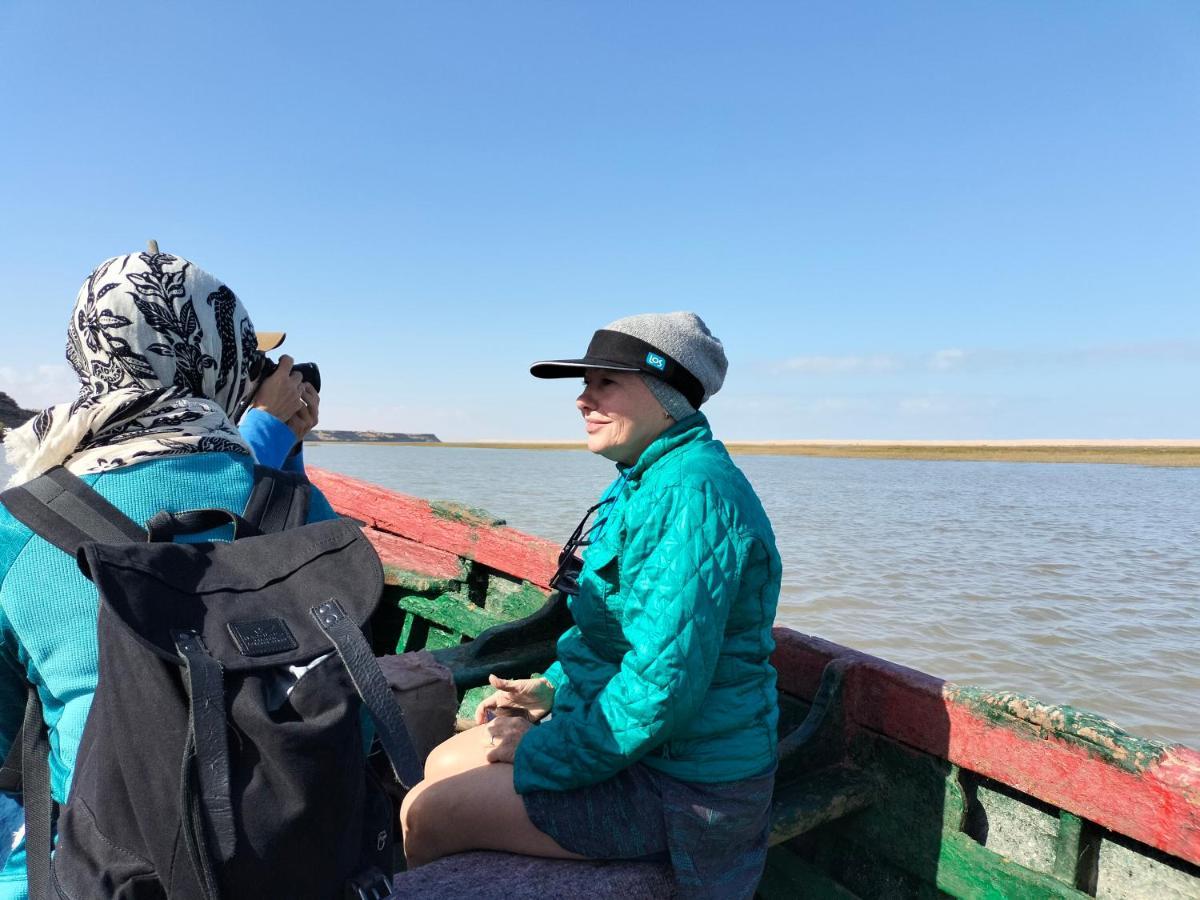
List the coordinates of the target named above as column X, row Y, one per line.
column 714, row 835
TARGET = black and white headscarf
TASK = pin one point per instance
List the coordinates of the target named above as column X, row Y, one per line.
column 162, row 350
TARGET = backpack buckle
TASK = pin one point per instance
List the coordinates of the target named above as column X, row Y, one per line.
column 188, row 641
column 369, row 885
column 329, row 613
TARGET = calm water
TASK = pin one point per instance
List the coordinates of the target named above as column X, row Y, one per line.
column 1077, row 584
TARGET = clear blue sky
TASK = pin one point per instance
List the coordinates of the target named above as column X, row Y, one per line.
column 905, row 220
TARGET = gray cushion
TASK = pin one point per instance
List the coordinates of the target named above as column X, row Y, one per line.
column 487, row 875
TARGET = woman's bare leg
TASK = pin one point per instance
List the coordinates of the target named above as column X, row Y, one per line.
column 467, row 803
column 466, row 750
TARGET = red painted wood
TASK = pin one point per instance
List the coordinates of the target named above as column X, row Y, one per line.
column 413, row 557
column 498, row 547
column 1159, row 805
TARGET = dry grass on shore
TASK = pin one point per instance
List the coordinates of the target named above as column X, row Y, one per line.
column 1151, row 453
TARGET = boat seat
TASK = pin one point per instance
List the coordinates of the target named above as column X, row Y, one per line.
column 488, row 875
column 817, row 781
column 826, row 795
column 819, row 798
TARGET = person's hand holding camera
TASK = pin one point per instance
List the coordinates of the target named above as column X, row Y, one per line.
column 305, row 419
column 279, row 394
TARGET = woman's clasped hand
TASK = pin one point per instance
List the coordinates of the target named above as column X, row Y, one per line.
column 510, row 712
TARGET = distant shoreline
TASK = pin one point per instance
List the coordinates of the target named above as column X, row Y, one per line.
column 1173, row 453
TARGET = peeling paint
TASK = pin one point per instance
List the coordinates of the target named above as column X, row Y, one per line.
column 467, row 515
column 394, row 576
column 1096, row 734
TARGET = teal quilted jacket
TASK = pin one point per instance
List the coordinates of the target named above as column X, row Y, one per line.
column 668, row 660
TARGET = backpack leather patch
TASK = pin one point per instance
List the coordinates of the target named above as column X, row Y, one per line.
column 262, row 637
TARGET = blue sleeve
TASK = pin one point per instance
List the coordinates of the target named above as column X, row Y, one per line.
column 269, row 438
column 319, row 509
column 295, row 461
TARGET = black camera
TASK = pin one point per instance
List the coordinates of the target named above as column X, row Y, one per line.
column 262, row 366
column 308, row 372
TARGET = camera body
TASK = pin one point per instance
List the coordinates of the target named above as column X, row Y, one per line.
column 263, row 367
column 308, row 371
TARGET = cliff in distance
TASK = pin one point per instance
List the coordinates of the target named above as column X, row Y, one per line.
column 372, row 437
column 12, row 415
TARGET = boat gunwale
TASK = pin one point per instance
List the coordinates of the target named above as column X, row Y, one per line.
column 1145, row 790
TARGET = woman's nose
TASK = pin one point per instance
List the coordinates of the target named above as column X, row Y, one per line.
column 583, row 402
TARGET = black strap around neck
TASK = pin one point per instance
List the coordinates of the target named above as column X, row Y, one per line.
column 279, row 500
column 68, row 513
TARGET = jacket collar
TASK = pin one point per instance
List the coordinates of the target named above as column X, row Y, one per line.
column 685, row 431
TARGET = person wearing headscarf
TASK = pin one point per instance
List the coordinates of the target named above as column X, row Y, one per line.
column 165, row 354
column 139, row 342
column 652, row 736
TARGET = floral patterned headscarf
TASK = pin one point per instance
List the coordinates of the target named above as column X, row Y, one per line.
column 163, row 352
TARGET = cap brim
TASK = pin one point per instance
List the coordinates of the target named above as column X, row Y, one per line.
column 573, row 368
column 269, row 340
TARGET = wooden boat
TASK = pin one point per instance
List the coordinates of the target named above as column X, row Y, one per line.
column 891, row 783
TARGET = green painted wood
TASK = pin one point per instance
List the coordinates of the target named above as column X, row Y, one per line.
column 471, row 699
column 910, row 841
column 439, row 638
column 1068, row 850
column 511, row 602
column 972, row 872
column 405, row 633
column 450, row 612
column 419, row 582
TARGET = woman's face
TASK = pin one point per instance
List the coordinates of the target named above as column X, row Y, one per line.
column 622, row 417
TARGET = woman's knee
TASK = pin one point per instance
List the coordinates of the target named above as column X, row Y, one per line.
column 419, row 826
column 457, row 754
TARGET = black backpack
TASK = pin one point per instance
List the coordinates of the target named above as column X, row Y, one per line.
column 209, row 769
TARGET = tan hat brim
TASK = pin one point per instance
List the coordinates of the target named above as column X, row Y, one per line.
column 269, row 340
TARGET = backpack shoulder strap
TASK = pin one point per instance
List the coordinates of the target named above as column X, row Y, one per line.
column 10, row 772
column 36, row 797
column 61, row 508
column 278, row 501
column 26, row 771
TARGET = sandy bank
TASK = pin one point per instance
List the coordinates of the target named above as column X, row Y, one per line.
column 1164, row 452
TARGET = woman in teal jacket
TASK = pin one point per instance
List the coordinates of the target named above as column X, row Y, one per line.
column 655, row 727
column 165, row 353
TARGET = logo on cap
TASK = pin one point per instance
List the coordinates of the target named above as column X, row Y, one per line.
column 653, row 359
